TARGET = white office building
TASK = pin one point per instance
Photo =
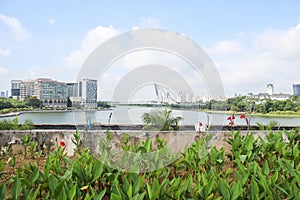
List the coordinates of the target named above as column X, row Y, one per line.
column 26, row 89
column 88, row 93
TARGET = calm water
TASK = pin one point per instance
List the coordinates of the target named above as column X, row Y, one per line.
column 133, row 115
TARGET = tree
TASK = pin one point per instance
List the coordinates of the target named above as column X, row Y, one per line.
column 5, row 104
column 161, row 120
column 102, row 104
column 34, row 102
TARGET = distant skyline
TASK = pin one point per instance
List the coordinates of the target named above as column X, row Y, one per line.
column 252, row 43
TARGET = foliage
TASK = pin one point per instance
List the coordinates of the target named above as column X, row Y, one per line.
column 11, row 103
column 32, row 102
column 161, row 120
column 254, row 168
column 103, row 104
column 14, row 124
column 245, row 104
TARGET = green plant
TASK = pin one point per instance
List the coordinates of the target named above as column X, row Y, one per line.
column 33, row 148
column 27, row 125
column 14, row 124
column 26, row 139
column 161, row 120
column 252, row 169
column 77, row 141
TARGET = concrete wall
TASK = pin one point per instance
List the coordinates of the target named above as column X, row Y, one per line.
column 50, row 139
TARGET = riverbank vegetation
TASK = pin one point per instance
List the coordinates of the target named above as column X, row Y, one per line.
column 14, row 124
column 254, row 106
column 243, row 104
column 250, row 168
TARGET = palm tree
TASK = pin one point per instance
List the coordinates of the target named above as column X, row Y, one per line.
column 161, row 120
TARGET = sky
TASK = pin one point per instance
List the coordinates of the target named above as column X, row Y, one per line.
column 251, row 43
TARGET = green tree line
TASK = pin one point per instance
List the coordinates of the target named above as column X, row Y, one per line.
column 244, row 104
column 14, row 103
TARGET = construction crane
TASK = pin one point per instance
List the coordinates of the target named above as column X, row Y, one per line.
column 163, row 95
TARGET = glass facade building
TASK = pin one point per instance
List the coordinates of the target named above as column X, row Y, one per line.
column 296, row 89
column 15, row 89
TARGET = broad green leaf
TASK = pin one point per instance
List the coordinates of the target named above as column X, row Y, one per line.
column 36, row 193
column 296, row 151
column 150, row 192
column 138, row 197
column 254, row 192
column 97, row 170
column 34, row 176
column 126, row 184
column 283, row 190
column 114, row 196
column 136, row 186
column 129, row 191
column 25, row 194
column 274, row 177
column 68, row 174
column 88, row 197
column 3, row 191
column 16, row 188
column 68, row 160
column 72, row 192
column 209, row 187
column 100, row 195
column 204, row 179
column 148, row 145
column 108, row 136
column 178, row 193
column 52, row 183
column 265, row 168
column 224, row 188
column 236, row 190
column 290, row 167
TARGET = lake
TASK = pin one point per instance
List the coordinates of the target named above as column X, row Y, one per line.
column 133, row 115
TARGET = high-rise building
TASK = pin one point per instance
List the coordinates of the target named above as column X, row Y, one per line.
column 270, row 89
column 26, row 89
column 72, row 89
column 2, row 95
column 15, row 89
column 296, row 89
column 51, row 93
column 88, row 93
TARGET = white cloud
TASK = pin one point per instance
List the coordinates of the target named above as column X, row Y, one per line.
column 16, row 27
column 281, row 43
column 92, row 39
column 226, row 47
column 51, row 21
column 146, row 22
column 272, row 57
column 37, row 72
column 4, row 52
column 3, row 70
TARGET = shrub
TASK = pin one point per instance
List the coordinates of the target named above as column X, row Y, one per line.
column 161, row 120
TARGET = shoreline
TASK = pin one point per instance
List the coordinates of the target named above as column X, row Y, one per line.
column 12, row 114
column 275, row 115
column 267, row 115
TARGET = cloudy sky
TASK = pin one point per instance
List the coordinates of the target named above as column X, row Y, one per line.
column 252, row 43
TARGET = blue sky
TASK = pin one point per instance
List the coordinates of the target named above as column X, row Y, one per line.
column 252, row 43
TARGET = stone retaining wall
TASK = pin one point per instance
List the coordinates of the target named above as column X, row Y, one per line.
column 177, row 140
